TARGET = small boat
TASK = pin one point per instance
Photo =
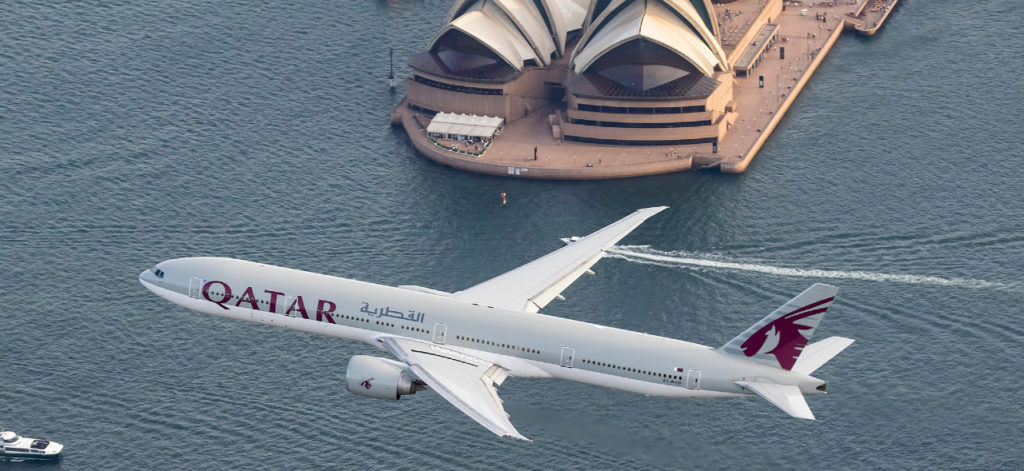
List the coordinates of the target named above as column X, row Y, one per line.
column 570, row 240
column 13, row 446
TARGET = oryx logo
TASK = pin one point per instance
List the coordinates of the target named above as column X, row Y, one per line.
column 782, row 337
column 366, row 383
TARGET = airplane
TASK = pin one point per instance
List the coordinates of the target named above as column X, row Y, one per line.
column 463, row 345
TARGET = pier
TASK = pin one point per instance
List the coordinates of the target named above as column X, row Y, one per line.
column 774, row 48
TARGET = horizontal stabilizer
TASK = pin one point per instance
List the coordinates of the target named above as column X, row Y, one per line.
column 819, row 353
column 785, row 397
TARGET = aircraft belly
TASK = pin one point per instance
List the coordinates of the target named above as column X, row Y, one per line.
column 630, row 384
column 524, row 368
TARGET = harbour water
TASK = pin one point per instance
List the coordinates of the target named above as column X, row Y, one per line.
column 133, row 132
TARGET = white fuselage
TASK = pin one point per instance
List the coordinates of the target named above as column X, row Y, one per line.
column 524, row 343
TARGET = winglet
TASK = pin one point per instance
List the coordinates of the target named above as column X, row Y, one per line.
column 785, row 397
column 519, row 437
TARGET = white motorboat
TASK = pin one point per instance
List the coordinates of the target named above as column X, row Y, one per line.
column 13, row 446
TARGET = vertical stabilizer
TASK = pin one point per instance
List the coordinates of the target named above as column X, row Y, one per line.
column 779, row 338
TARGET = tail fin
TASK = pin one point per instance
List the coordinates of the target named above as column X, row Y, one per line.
column 779, row 338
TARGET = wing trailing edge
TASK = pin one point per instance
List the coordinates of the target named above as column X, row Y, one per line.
column 532, row 286
column 467, row 382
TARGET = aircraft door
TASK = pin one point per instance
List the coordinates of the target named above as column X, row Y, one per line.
column 440, row 331
column 693, row 379
column 195, row 287
column 567, row 354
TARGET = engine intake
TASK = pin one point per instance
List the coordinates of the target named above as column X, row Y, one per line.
column 380, row 378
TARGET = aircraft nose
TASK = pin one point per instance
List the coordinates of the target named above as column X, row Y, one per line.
column 147, row 276
column 152, row 276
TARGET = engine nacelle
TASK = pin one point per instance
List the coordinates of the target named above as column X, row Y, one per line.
column 380, row 378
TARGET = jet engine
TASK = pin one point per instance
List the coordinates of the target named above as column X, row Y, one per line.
column 380, row 378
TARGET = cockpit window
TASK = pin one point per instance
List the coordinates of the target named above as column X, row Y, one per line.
column 158, row 272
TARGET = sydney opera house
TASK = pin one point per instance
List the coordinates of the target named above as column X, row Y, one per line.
column 630, row 72
column 590, row 75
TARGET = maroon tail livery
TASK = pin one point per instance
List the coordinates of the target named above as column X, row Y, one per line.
column 785, row 332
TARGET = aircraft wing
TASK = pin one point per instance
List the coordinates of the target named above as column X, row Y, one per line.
column 532, row 286
column 465, row 381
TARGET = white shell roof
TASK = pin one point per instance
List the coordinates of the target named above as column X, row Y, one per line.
column 530, row 23
column 652, row 20
column 488, row 25
column 622, row 27
column 556, row 18
column 574, row 12
column 516, row 29
column 690, row 13
column 705, row 5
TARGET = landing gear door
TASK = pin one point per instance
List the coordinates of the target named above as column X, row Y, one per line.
column 693, row 379
column 567, row 355
column 195, row 287
column 440, row 332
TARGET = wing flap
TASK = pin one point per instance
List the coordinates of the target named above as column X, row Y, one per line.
column 466, row 382
column 555, row 290
column 532, row 286
column 785, row 397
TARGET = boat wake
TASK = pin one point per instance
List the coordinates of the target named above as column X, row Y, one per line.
column 683, row 259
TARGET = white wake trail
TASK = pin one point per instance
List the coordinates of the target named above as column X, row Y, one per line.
column 644, row 254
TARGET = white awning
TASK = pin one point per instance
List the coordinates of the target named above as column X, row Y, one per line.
column 467, row 125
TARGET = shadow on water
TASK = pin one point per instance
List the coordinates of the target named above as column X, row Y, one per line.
column 18, row 464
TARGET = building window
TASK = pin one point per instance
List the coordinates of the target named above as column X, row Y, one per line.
column 641, row 110
column 622, row 142
column 457, row 88
column 609, row 124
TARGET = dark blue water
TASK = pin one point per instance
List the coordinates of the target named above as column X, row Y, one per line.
column 133, row 132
